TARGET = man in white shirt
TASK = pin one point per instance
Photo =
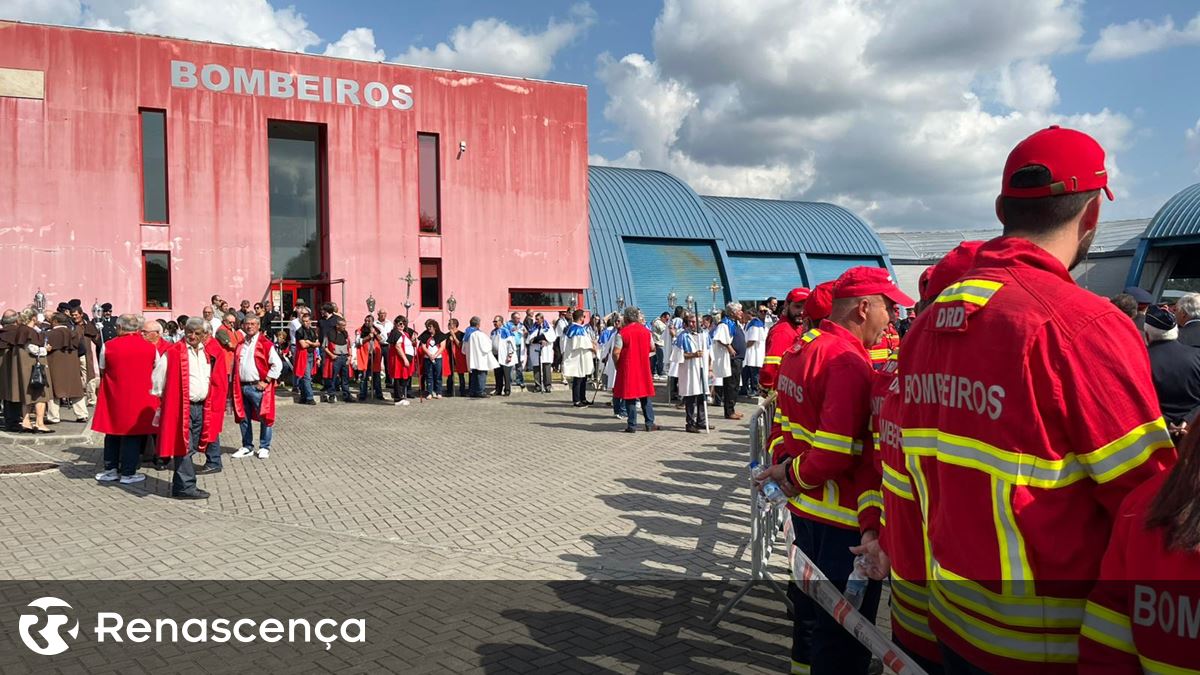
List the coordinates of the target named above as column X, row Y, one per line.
column 657, row 330
column 211, row 319
column 256, row 369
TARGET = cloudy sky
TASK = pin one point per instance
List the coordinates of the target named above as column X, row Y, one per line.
column 902, row 110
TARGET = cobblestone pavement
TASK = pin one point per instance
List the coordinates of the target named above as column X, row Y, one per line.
column 522, row 488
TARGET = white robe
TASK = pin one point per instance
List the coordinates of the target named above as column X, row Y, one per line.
column 673, row 329
column 505, row 349
column 539, row 353
column 577, row 356
column 609, row 361
column 757, row 352
column 722, row 366
column 693, row 373
column 479, row 352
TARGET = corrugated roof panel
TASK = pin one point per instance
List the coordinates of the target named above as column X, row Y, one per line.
column 795, row 227
column 1179, row 217
column 930, row 245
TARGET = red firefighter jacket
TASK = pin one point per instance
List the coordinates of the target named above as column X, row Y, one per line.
column 174, row 431
column 824, row 409
column 777, row 451
column 902, row 535
column 780, row 338
column 1028, row 416
column 1144, row 613
column 888, row 346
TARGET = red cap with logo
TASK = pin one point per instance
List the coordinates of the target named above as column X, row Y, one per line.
column 820, row 302
column 798, row 294
column 1067, row 160
column 859, row 282
column 948, row 270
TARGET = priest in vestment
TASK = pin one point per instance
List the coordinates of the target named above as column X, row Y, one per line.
column 577, row 365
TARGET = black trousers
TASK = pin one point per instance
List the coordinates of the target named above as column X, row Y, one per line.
column 697, row 412
column 400, row 388
column 12, row 415
column 503, row 377
column 818, row 640
column 953, row 664
column 578, row 389
column 462, row 384
column 730, row 385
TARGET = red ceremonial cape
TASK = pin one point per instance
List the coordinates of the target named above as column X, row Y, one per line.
column 162, row 346
column 634, row 379
column 457, row 360
column 395, row 365
column 368, row 362
column 266, row 411
column 124, row 404
column 173, row 432
column 300, row 367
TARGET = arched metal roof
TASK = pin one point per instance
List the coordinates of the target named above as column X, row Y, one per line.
column 1179, row 217
column 794, row 227
column 636, row 203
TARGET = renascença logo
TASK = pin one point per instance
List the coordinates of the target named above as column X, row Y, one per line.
column 42, row 631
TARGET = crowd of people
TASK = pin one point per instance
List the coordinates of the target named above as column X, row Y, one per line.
column 1012, row 467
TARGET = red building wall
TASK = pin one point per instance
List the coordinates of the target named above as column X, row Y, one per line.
column 514, row 205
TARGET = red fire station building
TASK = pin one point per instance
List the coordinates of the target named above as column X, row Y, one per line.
column 153, row 172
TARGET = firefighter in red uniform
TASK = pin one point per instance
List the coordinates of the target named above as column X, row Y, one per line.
column 886, row 349
column 824, row 390
column 1144, row 614
column 782, row 335
column 1028, row 415
column 815, row 308
column 901, row 550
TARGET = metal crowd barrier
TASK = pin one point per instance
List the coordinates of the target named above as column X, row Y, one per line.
column 765, row 519
column 769, row 524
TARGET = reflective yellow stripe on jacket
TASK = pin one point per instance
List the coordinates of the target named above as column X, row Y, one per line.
column 897, row 483
column 1109, row 628
column 974, row 291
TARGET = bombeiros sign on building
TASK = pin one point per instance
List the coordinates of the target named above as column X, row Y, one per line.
column 217, row 77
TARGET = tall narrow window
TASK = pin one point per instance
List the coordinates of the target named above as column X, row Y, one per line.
column 156, row 271
column 296, row 163
column 431, row 283
column 154, row 166
column 429, row 175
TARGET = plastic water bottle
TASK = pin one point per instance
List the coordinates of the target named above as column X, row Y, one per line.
column 856, row 585
column 770, row 489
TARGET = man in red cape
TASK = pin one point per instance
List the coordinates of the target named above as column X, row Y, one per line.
column 634, row 381
column 308, row 348
column 125, row 407
column 257, row 368
column 191, row 380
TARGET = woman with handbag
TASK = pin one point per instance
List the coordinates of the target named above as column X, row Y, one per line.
column 30, row 377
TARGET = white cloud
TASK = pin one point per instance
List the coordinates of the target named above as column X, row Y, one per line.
column 903, row 111
column 1028, row 86
column 1126, row 40
column 1191, row 138
column 356, row 43
column 494, row 46
column 69, row 12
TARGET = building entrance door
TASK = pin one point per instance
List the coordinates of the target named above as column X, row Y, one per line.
column 289, row 293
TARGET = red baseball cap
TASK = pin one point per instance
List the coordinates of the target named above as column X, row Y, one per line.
column 858, row 282
column 948, row 270
column 1072, row 162
column 820, row 302
column 798, row 294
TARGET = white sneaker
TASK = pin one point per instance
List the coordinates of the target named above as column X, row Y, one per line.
column 398, row 403
column 404, row 402
column 108, row 475
column 244, row 452
column 135, row 478
column 263, row 453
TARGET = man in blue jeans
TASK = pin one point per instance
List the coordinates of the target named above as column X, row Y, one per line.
column 256, row 369
column 307, row 344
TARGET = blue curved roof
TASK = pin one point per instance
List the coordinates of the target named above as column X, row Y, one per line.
column 1179, row 217
column 636, row 203
column 797, row 227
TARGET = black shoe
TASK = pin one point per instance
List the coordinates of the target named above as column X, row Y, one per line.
column 630, row 430
column 347, row 399
column 691, row 430
column 161, row 464
column 308, row 402
column 653, row 427
column 195, row 494
column 207, row 469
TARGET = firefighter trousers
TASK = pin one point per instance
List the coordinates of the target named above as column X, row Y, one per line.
column 818, row 640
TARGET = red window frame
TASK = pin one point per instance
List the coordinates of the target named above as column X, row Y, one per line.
column 146, row 283
column 142, row 167
column 437, row 184
column 437, row 265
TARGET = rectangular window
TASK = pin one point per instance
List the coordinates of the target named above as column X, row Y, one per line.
column 296, row 166
column 429, row 176
column 156, row 271
column 541, row 299
column 154, row 166
column 431, row 283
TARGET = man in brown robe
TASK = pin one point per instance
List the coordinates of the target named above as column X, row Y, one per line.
column 86, row 338
column 63, row 360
